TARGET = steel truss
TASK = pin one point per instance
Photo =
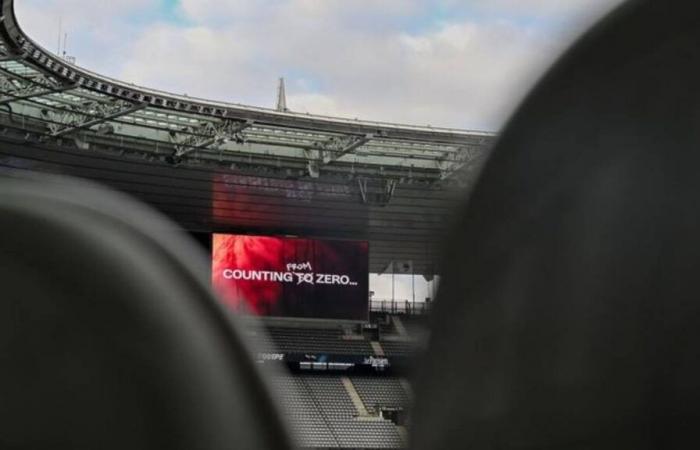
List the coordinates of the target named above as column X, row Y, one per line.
column 208, row 135
column 322, row 153
column 86, row 115
column 459, row 162
column 339, row 146
column 54, row 94
column 15, row 87
column 377, row 192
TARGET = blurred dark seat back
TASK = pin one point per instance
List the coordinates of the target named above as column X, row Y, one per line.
column 109, row 335
column 569, row 311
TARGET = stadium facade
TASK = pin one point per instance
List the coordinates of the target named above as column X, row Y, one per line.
column 219, row 166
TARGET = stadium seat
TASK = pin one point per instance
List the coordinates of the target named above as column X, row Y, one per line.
column 109, row 335
column 568, row 315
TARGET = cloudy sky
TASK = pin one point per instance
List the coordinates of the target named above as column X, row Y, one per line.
column 457, row 63
column 454, row 63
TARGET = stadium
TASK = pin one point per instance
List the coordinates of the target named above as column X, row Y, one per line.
column 217, row 168
column 183, row 273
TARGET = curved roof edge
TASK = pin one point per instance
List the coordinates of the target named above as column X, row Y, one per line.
column 20, row 45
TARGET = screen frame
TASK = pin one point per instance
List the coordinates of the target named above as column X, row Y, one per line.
column 269, row 319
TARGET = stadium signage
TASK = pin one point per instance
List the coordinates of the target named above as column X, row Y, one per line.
column 271, row 356
column 292, row 277
column 323, row 361
column 377, row 363
column 287, row 277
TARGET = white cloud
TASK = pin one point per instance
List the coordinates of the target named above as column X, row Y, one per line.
column 389, row 60
column 314, row 103
column 584, row 9
column 200, row 62
column 99, row 32
column 235, row 11
column 459, row 74
column 40, row 18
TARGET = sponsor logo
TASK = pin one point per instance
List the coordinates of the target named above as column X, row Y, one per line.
column 376, row 362
column 271, row 356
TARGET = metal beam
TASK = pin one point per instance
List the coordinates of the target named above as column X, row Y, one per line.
column 42, row 81
column 22, row 87
column 210, row 134
column 377, row 192
column 54, row 66
column 460, row 162
column 322, row 153
column 39, row 93
column 96, row 121
column 339, row 146
column 360, row 147
column 8, row 58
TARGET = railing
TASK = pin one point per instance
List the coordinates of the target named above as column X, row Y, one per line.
column 399, row 306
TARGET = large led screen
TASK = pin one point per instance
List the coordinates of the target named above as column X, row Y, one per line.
column 292, row 277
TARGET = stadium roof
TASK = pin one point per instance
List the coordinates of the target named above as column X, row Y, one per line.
column 303, row 173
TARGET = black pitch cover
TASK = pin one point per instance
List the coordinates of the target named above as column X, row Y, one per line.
column 109, row 335
column 569, row 313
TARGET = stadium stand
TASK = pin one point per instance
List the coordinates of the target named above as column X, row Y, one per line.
column 331, row 396
column 355, row 409
column 550, row 393
column 414, row 325
column 308, row 425
column 321, row 413
column 386, row 327
column 381, row 392
column 366, row 434
column 212, row 166
column 403, row 348
column 310, row 340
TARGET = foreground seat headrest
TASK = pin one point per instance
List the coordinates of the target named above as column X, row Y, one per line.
column 569, row 311
column 109, row 335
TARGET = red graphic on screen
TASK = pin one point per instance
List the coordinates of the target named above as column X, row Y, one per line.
column 292, row 277
column 247, row 252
